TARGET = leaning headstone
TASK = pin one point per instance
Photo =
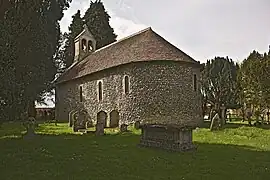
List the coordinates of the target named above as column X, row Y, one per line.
column 215, row 122
column 71, row 118
column 123, row 128
column 100, row 129
column 137, row 125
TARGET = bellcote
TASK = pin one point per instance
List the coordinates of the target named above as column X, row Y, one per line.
column 85, row 44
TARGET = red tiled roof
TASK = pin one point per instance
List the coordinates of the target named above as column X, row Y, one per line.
column 145, row 45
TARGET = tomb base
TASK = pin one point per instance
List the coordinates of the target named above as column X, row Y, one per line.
column 168, row 138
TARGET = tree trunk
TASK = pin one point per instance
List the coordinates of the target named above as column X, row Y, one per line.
column 243, row 114
column 210, row 114
column 31, row 109
column 223, row 117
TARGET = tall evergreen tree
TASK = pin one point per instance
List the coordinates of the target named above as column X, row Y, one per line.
column 30, row 40
column 75, row 28
column 97, row 20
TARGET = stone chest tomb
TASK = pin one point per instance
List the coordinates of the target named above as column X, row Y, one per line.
column 141, row 78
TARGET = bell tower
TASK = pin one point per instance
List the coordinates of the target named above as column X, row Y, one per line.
column 85, row 44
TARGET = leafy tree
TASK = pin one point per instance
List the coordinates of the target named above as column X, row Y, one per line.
column 255, row 81
column 219, row 85
column 75, row 29
column 97, row 20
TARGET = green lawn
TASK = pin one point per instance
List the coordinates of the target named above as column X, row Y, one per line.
column 57, row 153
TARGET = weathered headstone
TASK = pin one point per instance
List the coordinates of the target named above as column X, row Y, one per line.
column 101, row 122
column 100, row 129
column 137, row 125
column 123, row 128
column 80, row 122
column 71, row 118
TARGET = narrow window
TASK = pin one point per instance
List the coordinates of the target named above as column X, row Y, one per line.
column 81, row 96
column 84, row 46
column 90, row 46
column 195, row 82
column 99, row 91
column 126, row 84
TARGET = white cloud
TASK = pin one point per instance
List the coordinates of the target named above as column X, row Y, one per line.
column 124, row 27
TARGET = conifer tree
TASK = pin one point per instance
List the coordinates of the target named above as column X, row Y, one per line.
column 97, row 19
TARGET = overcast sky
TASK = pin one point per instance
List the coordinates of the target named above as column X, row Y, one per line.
column 201, row 28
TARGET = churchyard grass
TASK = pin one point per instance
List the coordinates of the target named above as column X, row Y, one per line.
column 58, row 153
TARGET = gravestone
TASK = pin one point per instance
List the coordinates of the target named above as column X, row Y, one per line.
column 80, row 122
column 137, row 125
column 100, row 129
column 123, row 128
column 101, row 122
column 114, row 119
column 71, row 118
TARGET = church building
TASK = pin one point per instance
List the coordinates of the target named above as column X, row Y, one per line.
column 139, row 78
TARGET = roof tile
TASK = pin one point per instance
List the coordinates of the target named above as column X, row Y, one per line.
column 146, row 45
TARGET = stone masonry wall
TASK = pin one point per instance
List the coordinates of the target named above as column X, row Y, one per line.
column 160, row 93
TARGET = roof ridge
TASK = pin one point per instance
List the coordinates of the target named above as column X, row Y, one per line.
column 125, row 38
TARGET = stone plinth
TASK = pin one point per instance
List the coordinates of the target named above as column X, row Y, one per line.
column 169, row 138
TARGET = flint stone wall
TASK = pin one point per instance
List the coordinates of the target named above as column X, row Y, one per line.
column 161, row 92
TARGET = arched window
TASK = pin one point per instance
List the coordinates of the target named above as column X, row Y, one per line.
column 84, row 45
column 81, row 96
column 126, row 84
column 100, row 91
column 195, row 82
column 90, row 46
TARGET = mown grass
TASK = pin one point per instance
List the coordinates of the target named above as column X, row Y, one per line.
column 57, row 153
